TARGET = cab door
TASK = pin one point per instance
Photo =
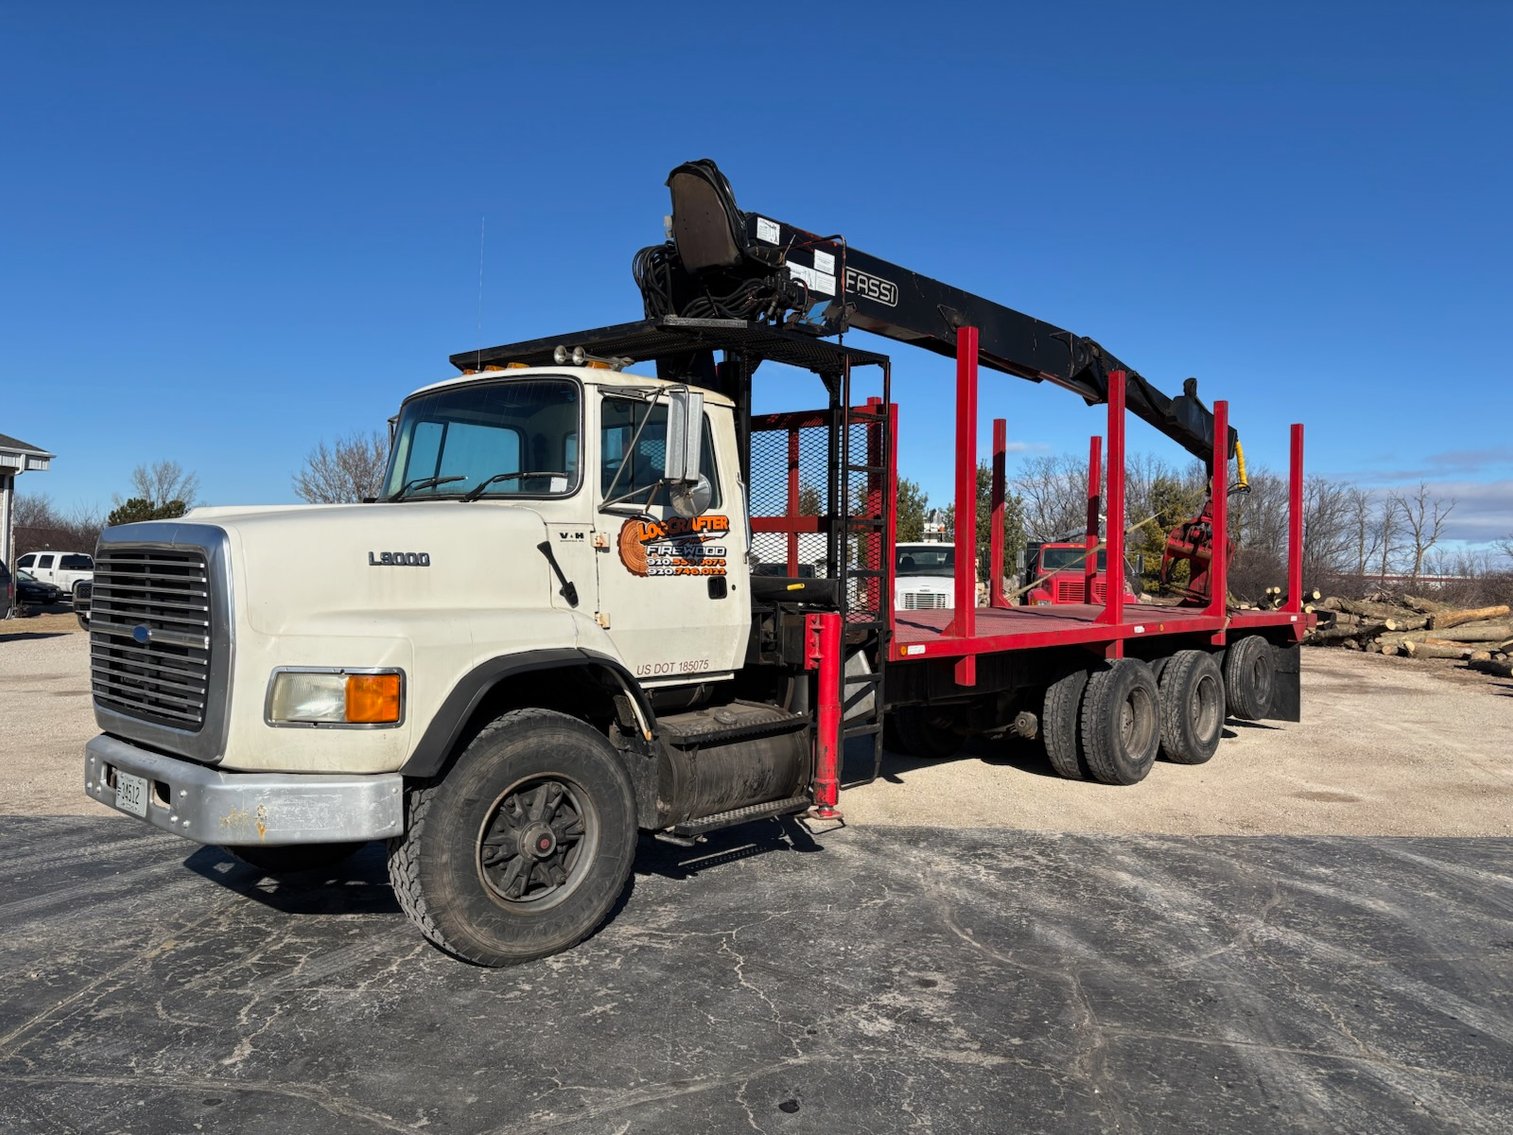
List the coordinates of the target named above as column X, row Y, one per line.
column 668, row 588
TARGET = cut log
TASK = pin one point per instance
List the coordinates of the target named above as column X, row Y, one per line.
column 1369, row 610
column 1344, row 633
column 1436, row 650
column 1407, row 622
column 1505, row 647
column 1426, row 606
column 1443, row 619
column 1479, row 656
column 1487, row 632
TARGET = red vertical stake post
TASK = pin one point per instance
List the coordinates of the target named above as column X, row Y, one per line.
column 1295, row 523
column 1113, row 576
column 965, row 623
column 890, row 514
column 825, row 654
column 1218, row 564
column 995, row 537
column 1094, row 507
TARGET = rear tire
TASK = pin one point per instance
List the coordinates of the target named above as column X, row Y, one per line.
column 1121, row 722
column 1192, row 707
column 295, row 858
column 1249, row 677
column 920, row 732
column 1061, row 725
column 524, row 848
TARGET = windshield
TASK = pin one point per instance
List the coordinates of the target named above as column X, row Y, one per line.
column 524, row 433
column 1067, row 559
column 932, row 559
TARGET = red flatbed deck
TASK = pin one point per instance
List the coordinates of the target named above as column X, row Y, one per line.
column 928, row 634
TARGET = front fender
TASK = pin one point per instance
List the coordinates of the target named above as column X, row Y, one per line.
column 457, row 709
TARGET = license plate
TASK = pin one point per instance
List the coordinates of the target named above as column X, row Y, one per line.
column 131, row 793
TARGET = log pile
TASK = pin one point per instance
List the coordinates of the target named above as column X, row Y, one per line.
column 1413, row 627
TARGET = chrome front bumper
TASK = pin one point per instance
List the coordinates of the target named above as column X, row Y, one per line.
column 241, row 808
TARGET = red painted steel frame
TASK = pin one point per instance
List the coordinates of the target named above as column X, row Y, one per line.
column 995, row 534
column 1113, row 589
column 825, row 653
column 1094, row 501
column 1218, row 564
column 890, row 514
column 1295, row 524
column 965, row 621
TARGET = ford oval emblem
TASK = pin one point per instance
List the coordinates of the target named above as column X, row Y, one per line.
column 142, row 633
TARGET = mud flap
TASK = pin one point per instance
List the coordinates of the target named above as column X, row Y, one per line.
column 1286, row 688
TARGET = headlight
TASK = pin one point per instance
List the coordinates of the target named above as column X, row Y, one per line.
column 335, row 697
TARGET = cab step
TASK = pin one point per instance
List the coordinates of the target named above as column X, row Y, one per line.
column 740, row 816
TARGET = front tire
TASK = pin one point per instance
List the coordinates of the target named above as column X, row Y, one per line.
column 525, row 846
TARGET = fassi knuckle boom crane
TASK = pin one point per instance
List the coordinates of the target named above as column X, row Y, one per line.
column 593, row 603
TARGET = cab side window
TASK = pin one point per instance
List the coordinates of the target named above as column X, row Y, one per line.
column 27, row 561
column 631, row 466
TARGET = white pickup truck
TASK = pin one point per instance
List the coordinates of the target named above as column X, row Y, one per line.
column 64, row 570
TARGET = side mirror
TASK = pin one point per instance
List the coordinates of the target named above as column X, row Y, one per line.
column 690, row 499
column 685, row 435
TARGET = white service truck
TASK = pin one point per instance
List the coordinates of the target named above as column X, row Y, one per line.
column 547, row 635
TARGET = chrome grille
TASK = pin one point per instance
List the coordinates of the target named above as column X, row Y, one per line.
column 150, row 634
column 924, row 601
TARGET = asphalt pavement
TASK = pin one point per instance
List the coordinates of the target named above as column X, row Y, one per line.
column 869, row 979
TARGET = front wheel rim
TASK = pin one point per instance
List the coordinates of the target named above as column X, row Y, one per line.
column 536, row 842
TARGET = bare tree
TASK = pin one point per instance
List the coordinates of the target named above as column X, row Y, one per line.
column 1362, row 509
column 40, row 525
column 1328, row 522
column 348, row 470
column 1424, row 518
column 163, row 483
column 1389, row 527
column 1053, row 493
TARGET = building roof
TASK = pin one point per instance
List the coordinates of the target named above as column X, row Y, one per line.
column 17, row 456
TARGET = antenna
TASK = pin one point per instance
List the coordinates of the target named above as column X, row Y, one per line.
column 482, row 222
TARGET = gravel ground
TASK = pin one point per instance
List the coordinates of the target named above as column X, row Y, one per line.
column 1385, row 747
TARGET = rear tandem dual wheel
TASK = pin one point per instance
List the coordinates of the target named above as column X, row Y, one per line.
column 1061, row 725
column 1192, row 706
column 1249, row 677
column 1121, row 721
column 525, row 846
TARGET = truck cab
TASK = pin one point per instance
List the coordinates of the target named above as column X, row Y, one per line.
column 540, row 635
column 924, row 576
column 1058, row 570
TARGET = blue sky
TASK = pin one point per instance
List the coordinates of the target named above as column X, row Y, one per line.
column 231, row 232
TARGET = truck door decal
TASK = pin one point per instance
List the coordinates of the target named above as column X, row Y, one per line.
column 675, row 546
